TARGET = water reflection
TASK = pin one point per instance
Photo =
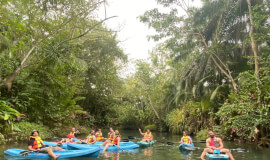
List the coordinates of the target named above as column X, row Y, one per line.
column 148, row 151
column 112, row 155
column 186, row 154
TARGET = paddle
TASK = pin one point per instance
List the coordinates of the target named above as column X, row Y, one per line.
column 131, row 137
column 125, row 140
column 236, row 149
column 171, row 143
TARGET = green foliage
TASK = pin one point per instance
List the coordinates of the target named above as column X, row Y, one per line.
column 202, row 134
column 191, row 118
column 7, row 117
column 130, row 118
column 58, row 69
column 152, row 127
column 26, row 128
column 2, row 139
column 248, row 110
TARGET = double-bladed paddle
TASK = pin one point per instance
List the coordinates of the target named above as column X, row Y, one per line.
column 191, row 148
column 171, row 143
column 131, row 137
column 125, row 140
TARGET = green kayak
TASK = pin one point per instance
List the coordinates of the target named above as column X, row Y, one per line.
column 145, row 144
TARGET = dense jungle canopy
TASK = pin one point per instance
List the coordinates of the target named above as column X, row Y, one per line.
column 60, row 66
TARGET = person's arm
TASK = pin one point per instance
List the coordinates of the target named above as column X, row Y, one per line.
column 141, row 132
column 30, row 144
column 220, row 144
column 95, row 140
column 87, row 139
column 30, row 148
column 42, row 143
column 190, row 139
column 181, row 141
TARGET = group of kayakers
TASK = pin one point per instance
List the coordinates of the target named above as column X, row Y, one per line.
column 213, row 144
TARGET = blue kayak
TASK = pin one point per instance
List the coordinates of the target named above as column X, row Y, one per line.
column 184, row 145
column 220, row 156
column 146, row 144
column 125, row 146
column 15, row 153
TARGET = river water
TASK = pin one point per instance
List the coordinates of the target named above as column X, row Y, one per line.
column 161, row 151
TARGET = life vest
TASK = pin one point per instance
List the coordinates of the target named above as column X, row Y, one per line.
column 186, row 139
column 115, row 139
column 148, row 136
column 111, row 136
column 99, row 136
column 71, row 135
column 37, row 143
column 214, row 142
column 91, row 139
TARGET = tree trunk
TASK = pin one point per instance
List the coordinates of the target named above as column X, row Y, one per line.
column 151, row 104
column 9, row 79
column 251, row 35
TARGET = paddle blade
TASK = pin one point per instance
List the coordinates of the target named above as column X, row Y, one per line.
column 170, row 143
column 125, row 140
column 190, row 148
column 239, row 150
column 59, row 144
column 131, row 137
column 24, row 153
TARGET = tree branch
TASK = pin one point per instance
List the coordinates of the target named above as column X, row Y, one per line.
column 90, row 29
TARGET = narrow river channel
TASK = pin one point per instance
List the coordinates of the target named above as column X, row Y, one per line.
column 161, row 151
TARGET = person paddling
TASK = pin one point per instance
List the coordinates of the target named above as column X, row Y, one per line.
column 215, row 145
column 35, row 143
column 185, row 139
column 115, row 141
column 147, row 137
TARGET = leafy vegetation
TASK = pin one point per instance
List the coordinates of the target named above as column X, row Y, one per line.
column 59, row 66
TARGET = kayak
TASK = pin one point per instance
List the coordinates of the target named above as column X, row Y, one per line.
column 145, row 144
column 15, row 153
column 125, row 146
column 184, row 145
column 220, row 156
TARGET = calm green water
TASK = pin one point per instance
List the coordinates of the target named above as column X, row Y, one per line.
column 162, row 151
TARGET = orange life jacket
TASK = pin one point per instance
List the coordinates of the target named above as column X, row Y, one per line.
column 148, row 136
column 71, row 135
column 115, row 139
column 37, row 143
